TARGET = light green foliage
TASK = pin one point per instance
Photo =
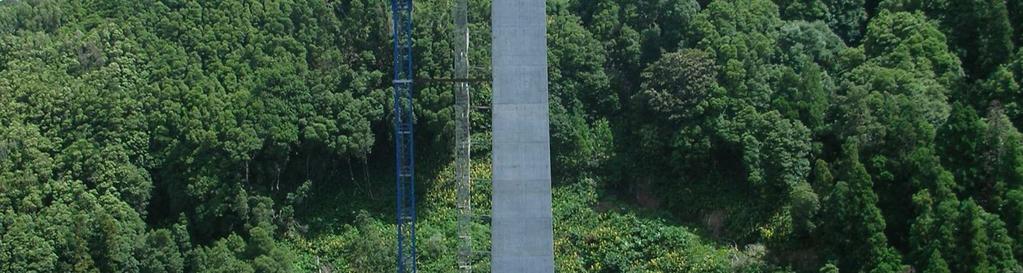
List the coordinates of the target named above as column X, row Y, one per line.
column 591, row 241
column 979, row 30
column 23, row 248
column 908, row 41
column 268, row 255
column 742, row 36
column 222, row 257
column 364, row 246
column 368, row 244
column 829, row 268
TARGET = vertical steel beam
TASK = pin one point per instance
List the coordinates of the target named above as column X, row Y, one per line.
column 404, row 146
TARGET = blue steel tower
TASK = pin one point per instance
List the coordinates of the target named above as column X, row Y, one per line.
column 404, row 148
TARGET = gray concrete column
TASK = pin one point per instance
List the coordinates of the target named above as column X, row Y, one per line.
column 522, row 224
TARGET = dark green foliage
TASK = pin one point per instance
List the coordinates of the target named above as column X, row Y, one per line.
column 803, row 84
column 984, row 154
column 984, row 244
column 804, row 10
column 936, row 264
column 679, row 85
column 981, row 31
column 801, row 40
column 635, row 33
column 139, row 115
column 847, row 18
column 1015, row 9
column 1002, row 89
column 960, row 146
column 160, row 253
column 687, row 136
column 580, row 96
column 952, row 235
column 577, row 68
column 854, row 201
column 1012, row 213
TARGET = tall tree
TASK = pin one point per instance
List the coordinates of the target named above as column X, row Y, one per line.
column 853, row 200
column 959, row 143
column 1015, row 8
column 1004, row 89
column 982, row 34
column 160, row 253
column 984, row 244
column 936, row 264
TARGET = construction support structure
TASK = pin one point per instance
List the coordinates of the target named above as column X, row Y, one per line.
column 404, row 146
column 463, row 131
column 522, row 223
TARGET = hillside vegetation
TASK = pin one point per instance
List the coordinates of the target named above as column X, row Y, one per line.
column 750, row 136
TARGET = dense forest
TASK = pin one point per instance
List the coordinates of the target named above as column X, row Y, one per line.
column 687, row 135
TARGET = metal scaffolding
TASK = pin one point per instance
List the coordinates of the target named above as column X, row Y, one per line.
column 463, row 133
column 404, row 148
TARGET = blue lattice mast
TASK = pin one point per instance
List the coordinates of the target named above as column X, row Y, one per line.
column 404, row 147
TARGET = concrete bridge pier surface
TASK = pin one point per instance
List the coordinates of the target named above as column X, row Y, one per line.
column 522, row 225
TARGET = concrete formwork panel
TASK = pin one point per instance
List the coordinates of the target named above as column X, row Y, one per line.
column 522, row 224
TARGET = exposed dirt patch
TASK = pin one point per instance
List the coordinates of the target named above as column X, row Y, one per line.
column 646, row 198
column 715, row 222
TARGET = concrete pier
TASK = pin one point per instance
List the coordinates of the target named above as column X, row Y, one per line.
column 522, row 224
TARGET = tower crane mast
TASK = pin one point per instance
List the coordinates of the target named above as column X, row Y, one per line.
column 404, row 148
